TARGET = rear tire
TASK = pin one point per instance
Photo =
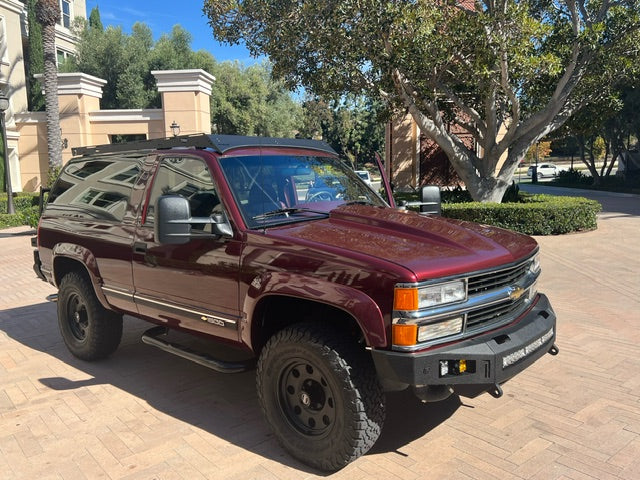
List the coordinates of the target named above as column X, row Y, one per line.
column 320, row 394
column 89, row 330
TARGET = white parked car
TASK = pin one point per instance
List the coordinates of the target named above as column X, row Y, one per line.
column 546, row 170
column 364, row 175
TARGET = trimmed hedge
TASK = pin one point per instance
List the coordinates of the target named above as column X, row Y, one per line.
column 27, row 211
column 534, row 215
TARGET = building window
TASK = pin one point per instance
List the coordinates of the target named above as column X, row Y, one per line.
column 62, row 56
column 65, row 11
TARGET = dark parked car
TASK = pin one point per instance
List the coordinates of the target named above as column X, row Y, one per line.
column 276, row 247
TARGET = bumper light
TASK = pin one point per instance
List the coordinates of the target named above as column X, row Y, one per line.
column 432, row 331
column 456, row 367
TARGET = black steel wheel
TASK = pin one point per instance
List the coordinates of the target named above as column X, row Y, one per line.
column 89, row 330
column 319, row 393
column 307, row 399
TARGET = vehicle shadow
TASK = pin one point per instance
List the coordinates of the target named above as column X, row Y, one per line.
column 223, row 405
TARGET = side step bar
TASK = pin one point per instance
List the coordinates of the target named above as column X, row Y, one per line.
column 151, row 337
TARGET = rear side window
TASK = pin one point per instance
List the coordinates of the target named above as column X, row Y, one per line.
column 98, row 188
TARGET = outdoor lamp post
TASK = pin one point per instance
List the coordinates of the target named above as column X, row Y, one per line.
column 4, row 106
column 175, row 129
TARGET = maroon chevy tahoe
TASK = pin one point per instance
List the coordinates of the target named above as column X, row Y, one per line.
column 275, row 246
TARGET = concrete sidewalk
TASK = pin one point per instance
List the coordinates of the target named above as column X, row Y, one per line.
column 144, row 414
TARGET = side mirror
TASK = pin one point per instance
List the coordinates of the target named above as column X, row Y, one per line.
column 430, row 201
column 173, row 222
column 220, row 225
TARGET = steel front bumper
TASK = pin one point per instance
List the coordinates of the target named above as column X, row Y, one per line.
column 490, row 359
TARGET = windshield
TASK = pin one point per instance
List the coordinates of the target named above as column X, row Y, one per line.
column 277, row 189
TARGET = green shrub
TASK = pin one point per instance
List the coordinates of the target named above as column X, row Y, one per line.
column 20, row 201
column 534, row 215
column 26, row 207
column 31, row 216
column 8, row 221
column 573, row 177
column 456, row 195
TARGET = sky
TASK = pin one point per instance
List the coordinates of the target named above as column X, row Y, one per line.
column 162, row 15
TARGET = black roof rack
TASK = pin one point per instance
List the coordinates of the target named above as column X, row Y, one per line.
column 218, row 143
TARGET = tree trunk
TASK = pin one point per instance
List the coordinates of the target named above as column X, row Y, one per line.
column 591, row 163
column 48, row 14
column 54, row 138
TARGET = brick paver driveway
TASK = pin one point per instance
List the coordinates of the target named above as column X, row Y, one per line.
column 144, row 414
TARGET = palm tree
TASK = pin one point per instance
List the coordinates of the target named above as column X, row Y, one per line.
column 48, row 14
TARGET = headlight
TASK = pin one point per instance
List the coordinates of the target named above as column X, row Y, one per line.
column 414, row 298
column 441, row 294
column 534, row 266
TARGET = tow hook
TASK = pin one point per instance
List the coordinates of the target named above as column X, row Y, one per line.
column 554, row 350
column 496, row 391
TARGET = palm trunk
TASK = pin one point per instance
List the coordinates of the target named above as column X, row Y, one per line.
column 54, row 139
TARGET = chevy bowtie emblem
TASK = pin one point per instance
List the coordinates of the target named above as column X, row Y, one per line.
column 516, row 292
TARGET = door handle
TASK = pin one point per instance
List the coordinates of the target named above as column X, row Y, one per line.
column 140, row 247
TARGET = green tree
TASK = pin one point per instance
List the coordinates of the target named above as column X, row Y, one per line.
column 352, row 126
column 34, row 61
column 120, row 59
column 604, row 129
column 507, row 72
column 95, row 21
column 246, row 101
column 243, row 101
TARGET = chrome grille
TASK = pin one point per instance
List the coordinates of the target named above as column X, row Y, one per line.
column 495, row 298
column 486, row 316
column 497, row 279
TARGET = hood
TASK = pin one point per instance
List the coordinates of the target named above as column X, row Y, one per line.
column 427, row 246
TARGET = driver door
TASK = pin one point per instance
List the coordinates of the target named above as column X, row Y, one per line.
column 195, row 285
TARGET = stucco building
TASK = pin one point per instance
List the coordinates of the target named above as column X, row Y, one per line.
column 185, row 101
column 185, row 98
column 14, row 37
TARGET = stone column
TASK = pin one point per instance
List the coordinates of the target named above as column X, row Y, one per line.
column 79, row 94
column 185, row 100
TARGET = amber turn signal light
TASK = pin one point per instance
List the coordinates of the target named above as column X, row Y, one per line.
column 404, row 335
column 405, row 299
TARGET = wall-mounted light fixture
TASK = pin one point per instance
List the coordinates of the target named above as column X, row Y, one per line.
column 64, row 142
column 175, row 129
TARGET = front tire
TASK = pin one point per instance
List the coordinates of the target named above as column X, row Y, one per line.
column 90, row 331
column 319, row 393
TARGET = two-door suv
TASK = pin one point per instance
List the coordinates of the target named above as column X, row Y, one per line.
column 276, row 247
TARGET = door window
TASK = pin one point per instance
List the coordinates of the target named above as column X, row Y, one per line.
column 189, row 177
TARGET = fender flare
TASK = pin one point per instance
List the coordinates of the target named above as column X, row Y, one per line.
column 354, row 302
column 84, row 257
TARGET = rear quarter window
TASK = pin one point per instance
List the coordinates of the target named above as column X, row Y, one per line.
column 98, row 188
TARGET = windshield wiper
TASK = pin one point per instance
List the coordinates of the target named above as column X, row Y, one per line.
column 288, row 211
